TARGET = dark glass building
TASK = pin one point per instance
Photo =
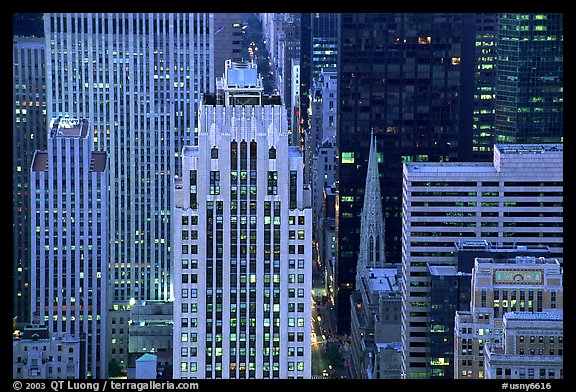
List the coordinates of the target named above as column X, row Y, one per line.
column 529, row 91
column 400, row 76
column 449, row 292
column 478, row 73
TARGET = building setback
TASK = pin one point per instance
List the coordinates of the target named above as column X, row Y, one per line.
column 28, row 135
column 69, row 210
column 242, row 241
column 515, row 200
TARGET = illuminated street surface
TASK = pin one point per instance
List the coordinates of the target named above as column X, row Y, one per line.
column 327, row 358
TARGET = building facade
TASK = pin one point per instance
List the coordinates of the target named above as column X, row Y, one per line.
column 522, row 284
column 449, row 292
column 69, row 210
column 530, row 87
column 516, row 199
column 242, row 241
column 403, row 83
column 28, row 135
column 140, row 77
column 37, row 354
column 532, row 347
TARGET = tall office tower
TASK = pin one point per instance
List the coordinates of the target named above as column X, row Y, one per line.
column 324, row 43
column 530, row 87
column 242, row 240
column 478, row 78
column 318, row 48
column 227, row 39
column 517, row 358
column 140, row 76
column 500, row 288
column 516, row 200
column 404, row 83
column 69, row 211
column 28, row 135
column 291, row 47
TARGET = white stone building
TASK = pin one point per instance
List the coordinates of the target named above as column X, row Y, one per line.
column 242, row 241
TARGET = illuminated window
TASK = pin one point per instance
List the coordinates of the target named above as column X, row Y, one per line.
column 347, row 157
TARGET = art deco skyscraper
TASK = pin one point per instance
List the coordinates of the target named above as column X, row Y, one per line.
column 140, row 78
column 69, row 211
column 242, row 241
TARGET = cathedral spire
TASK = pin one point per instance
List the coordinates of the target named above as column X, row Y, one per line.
column 372, row 219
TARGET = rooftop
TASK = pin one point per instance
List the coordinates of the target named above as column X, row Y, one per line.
column 392, row 346
column 241, row 75
column 529, row 148
column 98, row 163
column 519, row 260
column 540, row 316
column 147, row 358
column 443, row 270
column 40, row 161
column 381, row 279
column 65, row 126
column 450, row 167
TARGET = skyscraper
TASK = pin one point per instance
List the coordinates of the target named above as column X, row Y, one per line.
column 28, row 135
column 242, row 241
column 69, row 211
column 478, row 81
column 515, row 200
column 140, row 77
column 404, row 83
column 530, row 89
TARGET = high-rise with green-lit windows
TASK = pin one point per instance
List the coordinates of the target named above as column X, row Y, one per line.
column 529, row 91
column 484, row 86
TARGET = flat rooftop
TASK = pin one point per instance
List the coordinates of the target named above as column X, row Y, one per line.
column 450, row 167
column 443, row 270
column 382, row 279
column 69, row 127
column 40, row 161
column 519, row 260
column 530, row 148
column 98, row 163
column 541, row 316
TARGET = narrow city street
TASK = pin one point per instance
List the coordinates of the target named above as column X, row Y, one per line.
column 329, row 351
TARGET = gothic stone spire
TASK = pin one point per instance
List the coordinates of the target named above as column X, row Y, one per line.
column 372, row 219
